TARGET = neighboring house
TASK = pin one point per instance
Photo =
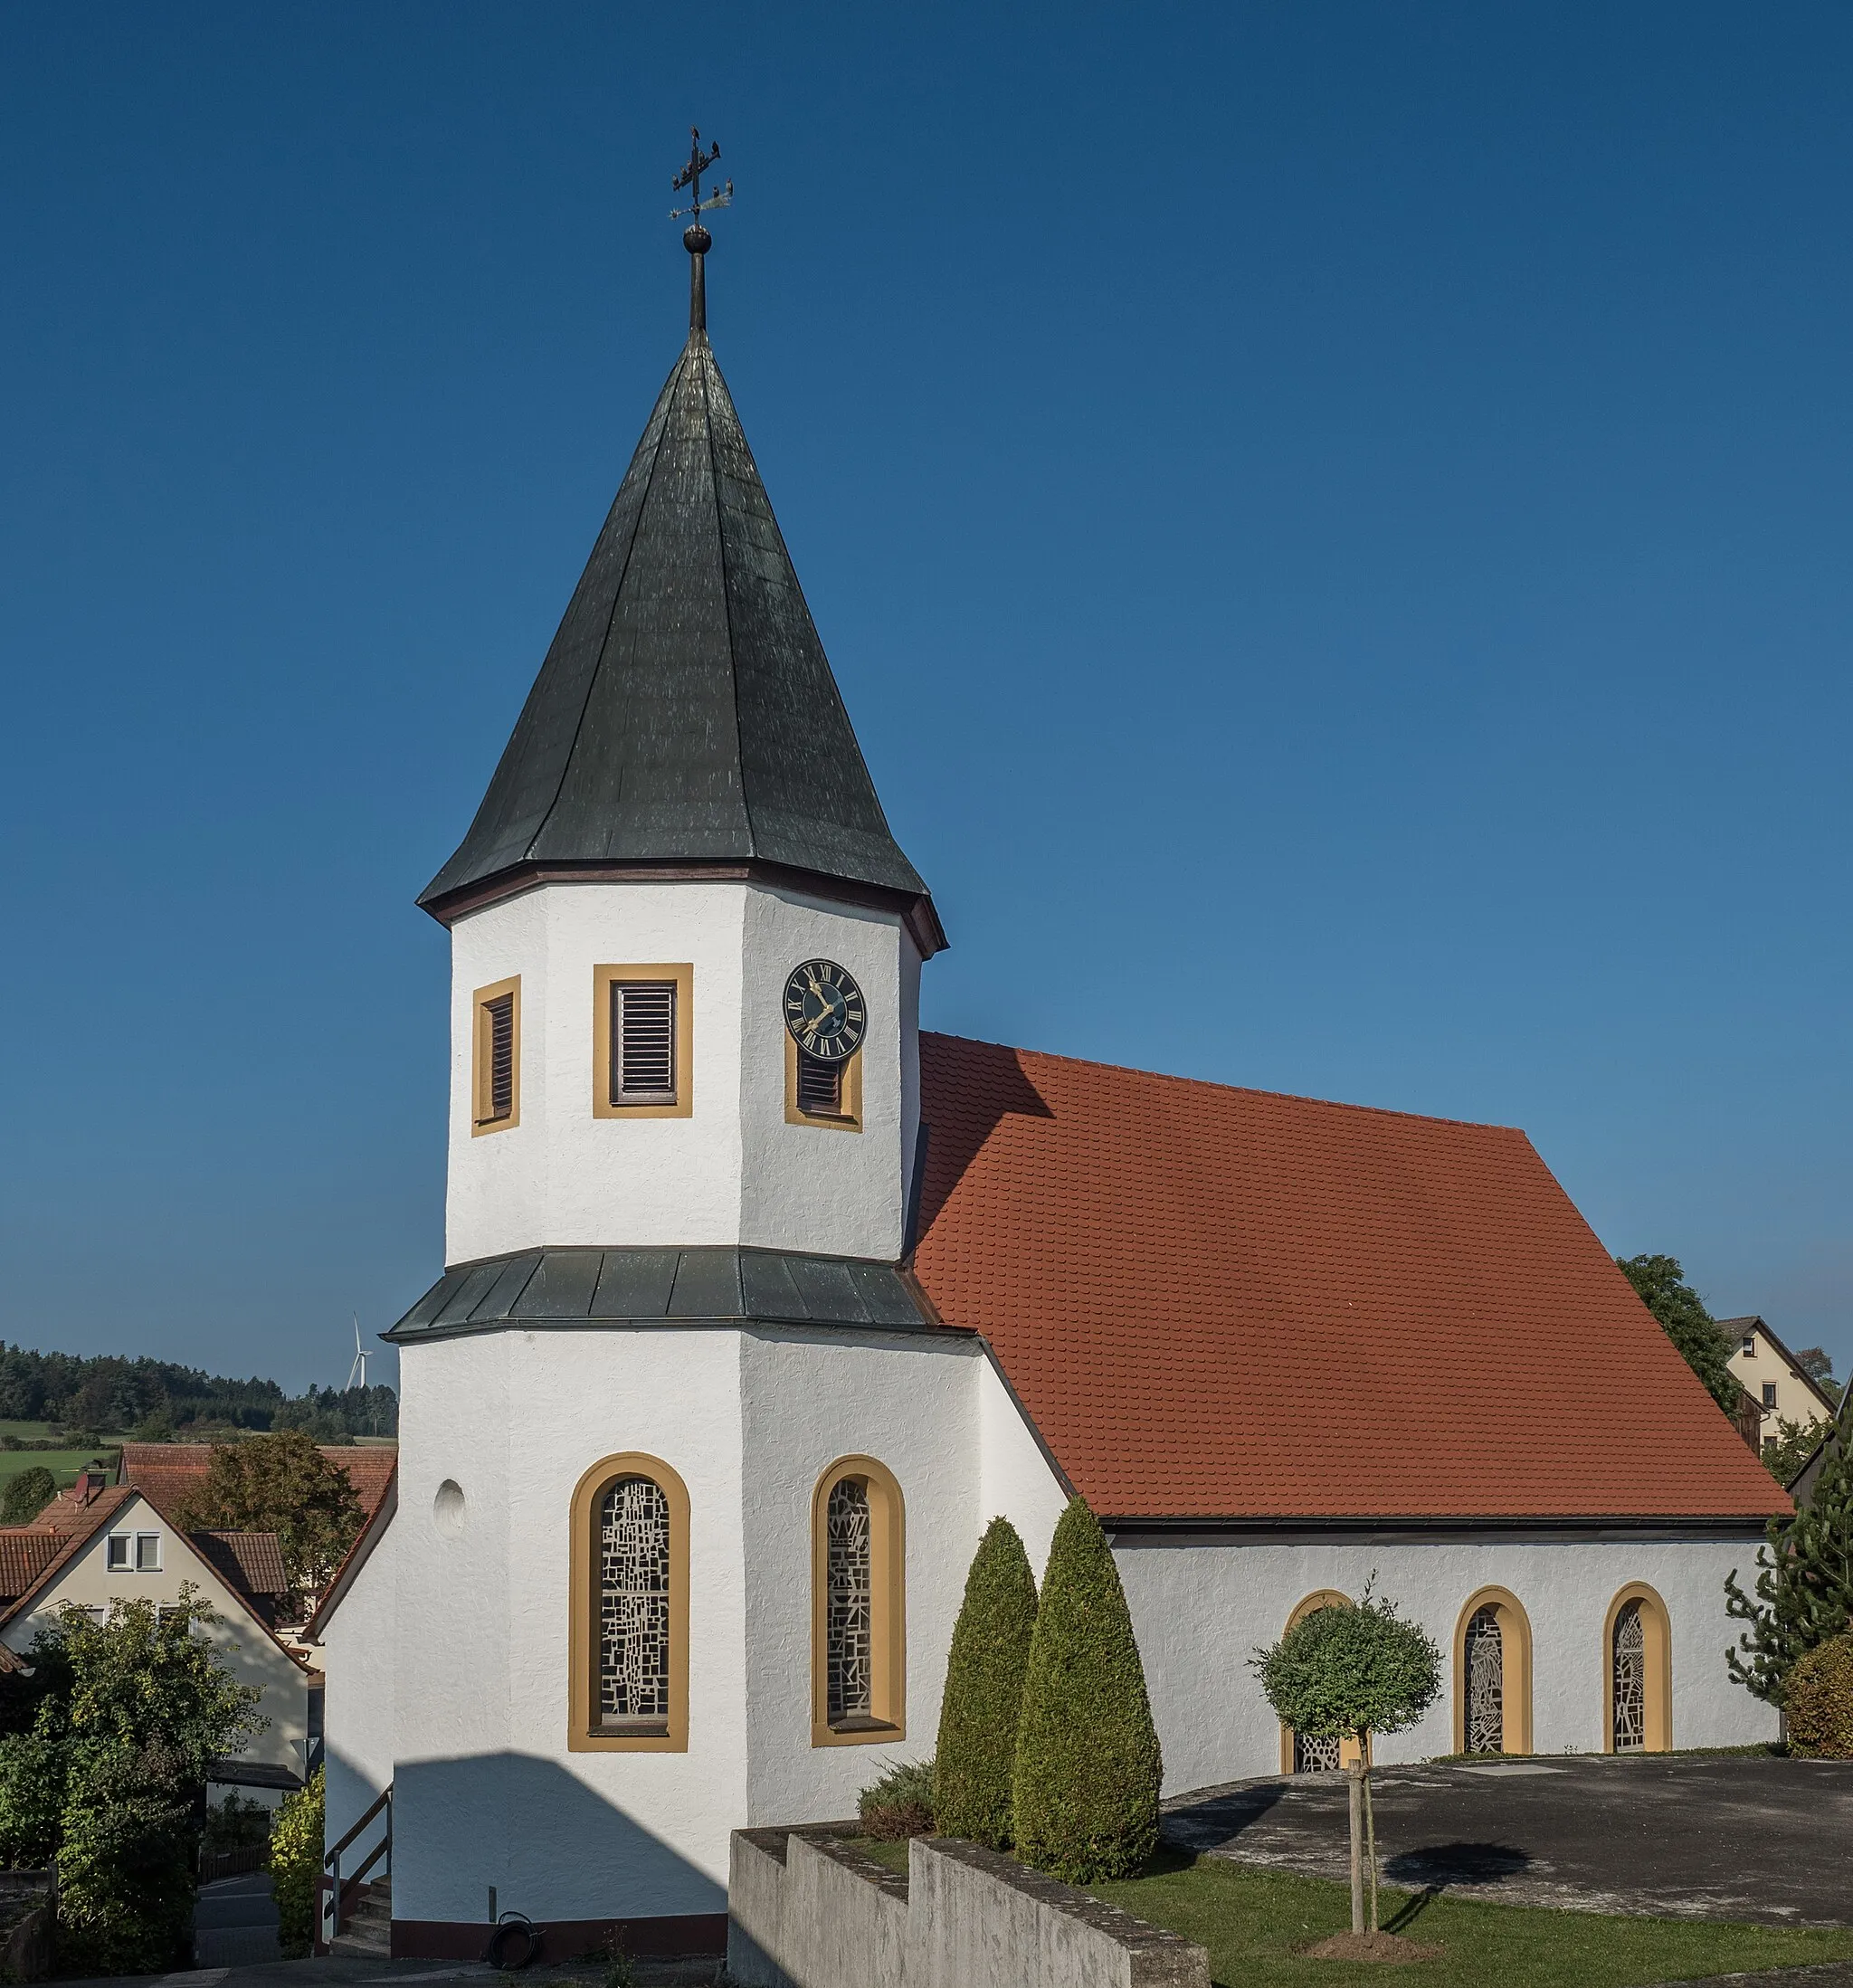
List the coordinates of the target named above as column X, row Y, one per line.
column 166, row 1470
column 760, row 1302
column 1771, row 1376
column 99, row 1543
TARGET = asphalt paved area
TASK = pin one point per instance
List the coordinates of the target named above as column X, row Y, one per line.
column 1757, row 1838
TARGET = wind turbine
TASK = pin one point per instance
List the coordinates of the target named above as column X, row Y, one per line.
column 359, row 1366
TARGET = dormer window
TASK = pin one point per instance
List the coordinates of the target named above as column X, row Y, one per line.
column 642, row 1042
column 497, row 1085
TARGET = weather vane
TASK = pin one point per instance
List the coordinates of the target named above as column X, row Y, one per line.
column 690, row 176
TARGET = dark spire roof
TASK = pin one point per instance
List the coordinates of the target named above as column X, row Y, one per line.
column 686, row 714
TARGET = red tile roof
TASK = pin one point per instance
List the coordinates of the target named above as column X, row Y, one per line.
column 24, row 1556
column 250, row 1562
column 1224, row 1303
column 165, row 1472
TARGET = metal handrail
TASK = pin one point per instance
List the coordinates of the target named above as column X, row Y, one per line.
column 333, row 1913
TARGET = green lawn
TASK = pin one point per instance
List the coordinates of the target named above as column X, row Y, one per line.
column 1252, row 1921
column 63, row 1464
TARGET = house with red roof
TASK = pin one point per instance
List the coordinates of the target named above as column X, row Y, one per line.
column 760, row 1302
column 99, row 1544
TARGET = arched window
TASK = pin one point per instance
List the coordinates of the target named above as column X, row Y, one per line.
column 1638, row 1661
column 1306, row 1752
column 628, row 1632
column 859, row 1613
column 1492, row 1675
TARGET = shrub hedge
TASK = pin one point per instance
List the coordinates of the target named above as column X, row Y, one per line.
column 984, row 1700
column 1820, row 1701
column 1088, row 1765
column 296, row 1862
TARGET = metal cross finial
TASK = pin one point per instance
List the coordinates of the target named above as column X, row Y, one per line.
column 690, row 176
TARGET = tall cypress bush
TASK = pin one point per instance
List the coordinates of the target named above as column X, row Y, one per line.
column 1088, row 1766
column 983, row 1701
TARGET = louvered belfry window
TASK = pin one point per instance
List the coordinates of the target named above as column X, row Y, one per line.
column 498, row 1075
column 819, row 1086
column 643, row 1043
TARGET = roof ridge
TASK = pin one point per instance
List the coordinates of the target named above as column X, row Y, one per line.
column 1240, row 1090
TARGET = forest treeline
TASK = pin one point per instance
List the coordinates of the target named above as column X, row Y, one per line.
column 153, row 1401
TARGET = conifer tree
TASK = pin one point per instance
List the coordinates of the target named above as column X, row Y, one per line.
column 1804, row 1581
column 1084, row 1795
column 983, row 1701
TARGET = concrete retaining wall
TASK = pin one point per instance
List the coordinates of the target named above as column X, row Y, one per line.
column 808, row 1910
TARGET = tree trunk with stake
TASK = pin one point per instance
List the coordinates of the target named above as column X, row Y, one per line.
column 1370, row 1824
column 1355, row 1776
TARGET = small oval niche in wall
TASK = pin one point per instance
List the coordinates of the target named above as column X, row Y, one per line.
column 449, row 1509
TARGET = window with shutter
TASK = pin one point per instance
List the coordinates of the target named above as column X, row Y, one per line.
column 501, row 1056
column 643, row 1043
column 819, row 1086
column 498, row 1074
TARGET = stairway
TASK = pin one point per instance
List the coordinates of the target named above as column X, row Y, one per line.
column 368, row 1933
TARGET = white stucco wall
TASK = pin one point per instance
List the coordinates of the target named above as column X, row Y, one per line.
column 1015, row 1480
column 359, row 1658
column 1200, row 1610
column 247, row 1648
column 734, row 1170
column 807, row 1400
column 487, row 1792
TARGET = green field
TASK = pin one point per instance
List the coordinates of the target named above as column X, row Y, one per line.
column 63, row 1464
column 1255, row 1923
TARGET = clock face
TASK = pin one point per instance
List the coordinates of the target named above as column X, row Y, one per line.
column 824, row 1011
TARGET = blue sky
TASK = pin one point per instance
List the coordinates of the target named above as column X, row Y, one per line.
column 1330, row 523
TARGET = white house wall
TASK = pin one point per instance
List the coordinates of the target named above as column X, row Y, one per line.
column 1200, row 1610
column 1014, row 1478
column 733, row 1171
column 248, row 1651
column 807, row 1401
column 487, row 1792
column 359, row 1657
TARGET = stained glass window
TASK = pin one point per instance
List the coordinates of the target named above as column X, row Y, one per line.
column 849, row 1620
column 1486, row 1682
column 633, row 1612
column 1630, row 1679
column 1311, row 1754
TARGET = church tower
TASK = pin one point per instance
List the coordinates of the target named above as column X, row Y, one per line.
column 685, row 945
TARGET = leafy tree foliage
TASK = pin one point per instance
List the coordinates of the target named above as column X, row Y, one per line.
column 26, row 1494
column 1085, row 1787
column 1790, row 1447
column 279, row 1484
column 1804, row 1580
column 1817, row 1363
column 984, row 1699
column 296, row 1862
column 157, row 1398
column 1351, row 1673
column 131, row 1712
column 1661, row 1284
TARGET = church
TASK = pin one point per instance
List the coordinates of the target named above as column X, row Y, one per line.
column 759, row 1302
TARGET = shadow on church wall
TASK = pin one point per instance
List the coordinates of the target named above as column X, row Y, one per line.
column 551, row 1847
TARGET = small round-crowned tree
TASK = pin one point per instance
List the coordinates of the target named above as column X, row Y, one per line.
column 984, row 1700
column 1085, row 1788
column 1351, row 1673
